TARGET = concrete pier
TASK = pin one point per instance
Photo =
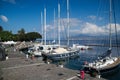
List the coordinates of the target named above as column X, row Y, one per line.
column 18, row 67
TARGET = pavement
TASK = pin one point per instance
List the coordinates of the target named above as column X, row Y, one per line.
column 18, row 67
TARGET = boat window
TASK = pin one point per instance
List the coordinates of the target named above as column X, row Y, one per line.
column 63, row 54
column 41, row 48
column 49, row 48
column 54, row 48
column 58, row 56
column 70, row 54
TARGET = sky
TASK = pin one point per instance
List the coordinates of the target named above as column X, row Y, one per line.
column 87, row 17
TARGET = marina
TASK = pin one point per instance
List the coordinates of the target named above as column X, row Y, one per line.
column 19, row 67
column 59, row 40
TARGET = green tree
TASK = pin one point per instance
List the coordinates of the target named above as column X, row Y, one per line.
column 15, row 37
column 6, row 36
column 1, row 28
column 31, row 36
column 21, row 34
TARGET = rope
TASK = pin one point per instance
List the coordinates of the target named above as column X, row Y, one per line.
column 115, row 27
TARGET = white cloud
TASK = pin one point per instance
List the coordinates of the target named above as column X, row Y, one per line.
column 10, row 1
column 63, row 25
column 113, row 27
column 49, row 27
column 92, row 17
column 3, row 18
column 79, row 27
column 93, row 29
column 100, row 18
column 72, row 21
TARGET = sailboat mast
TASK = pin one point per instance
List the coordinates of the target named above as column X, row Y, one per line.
column 110, row 23
column 42, row 25
column 68, row 21
column 59, row 24
column 45, row 25
column 54, row 23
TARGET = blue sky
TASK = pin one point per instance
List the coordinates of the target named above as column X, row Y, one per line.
column 88, row 17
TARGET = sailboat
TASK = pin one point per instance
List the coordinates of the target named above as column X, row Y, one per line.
column 38, row 48
column 105, row 63
column 61, row 53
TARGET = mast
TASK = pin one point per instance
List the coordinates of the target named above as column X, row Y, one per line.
column 42, row 25
column 110, row 24
column 68, row 21
column 59, row 24
column 54, row 23
column 45, row 26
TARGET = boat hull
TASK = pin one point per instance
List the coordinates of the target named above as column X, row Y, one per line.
column 61, row 56
column 104, row 71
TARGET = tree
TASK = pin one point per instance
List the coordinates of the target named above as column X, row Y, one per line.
column 21, row 34
column 1, row 28
column 31, row 36
column 6, row 36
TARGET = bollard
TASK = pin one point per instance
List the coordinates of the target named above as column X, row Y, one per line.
column 98, row 76
column 6, row 57
column 32, row 57
column 26, row 56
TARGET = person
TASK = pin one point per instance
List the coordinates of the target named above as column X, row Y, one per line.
column 82, row 74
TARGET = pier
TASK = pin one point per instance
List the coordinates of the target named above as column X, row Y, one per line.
column 18, row 67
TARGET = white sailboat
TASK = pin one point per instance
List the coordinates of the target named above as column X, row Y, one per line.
column 61, row 52
column 38, row 48
column 105, row 63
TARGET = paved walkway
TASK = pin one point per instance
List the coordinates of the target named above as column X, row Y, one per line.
column 17, row 67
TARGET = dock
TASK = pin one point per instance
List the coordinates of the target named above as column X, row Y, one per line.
column 18, row 67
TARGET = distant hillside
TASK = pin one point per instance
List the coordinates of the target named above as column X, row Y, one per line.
column 87, row 37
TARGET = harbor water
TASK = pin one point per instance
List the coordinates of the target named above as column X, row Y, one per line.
column 97, row 48
column 91, row 55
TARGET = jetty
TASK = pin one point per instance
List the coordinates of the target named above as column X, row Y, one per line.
column 18, row 67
